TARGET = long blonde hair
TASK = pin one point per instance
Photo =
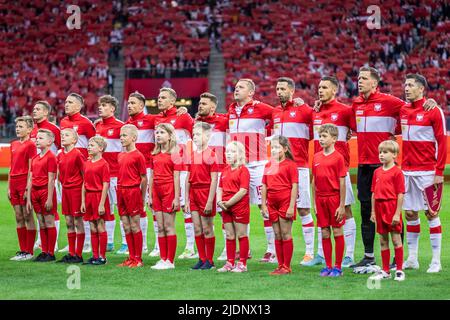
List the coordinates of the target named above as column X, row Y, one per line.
column 172, row 138
column 240, row 150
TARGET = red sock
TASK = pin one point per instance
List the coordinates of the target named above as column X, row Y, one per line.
column 80, row 244
column 327, row 248
column 95, row 244
column 22, row 236
column 210, row 243
column 399, row 257
column 137, row 237
column 385, row 257
column 339, row 250
column 44, row 239
column 162, row 241
column 288, row 249
column 31, row 237
column 279, row 252
column 71, row 237
column 131, row 247
column 171, row 247
column 51, row 234
column 201, row 248
column 231, row 250
column 243, row 250
column 103, row 239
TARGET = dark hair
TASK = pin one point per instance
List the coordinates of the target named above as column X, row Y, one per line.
column 284, row 142
column 289, row 81
column 138, row 96
column 46, row 105
column 109, row 99
column 418, row 78
column 333, row 80
column 209, row 96
column 78, row 97
column 373, row 73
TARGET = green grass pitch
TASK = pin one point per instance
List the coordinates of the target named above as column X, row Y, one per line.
column 28, row 280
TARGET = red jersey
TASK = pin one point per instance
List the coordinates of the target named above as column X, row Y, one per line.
column 200, row 168
column 218, row 140
column 249, row 128
column 164, row 165
column 21, row 154
column 40, row 168
column 375, row 121
column 295, row 124
column 131, row 167
column 110, row 130
column 45, row 124
column 424, row 138
column 327, row 171
column 388, row 184
column 279, row 177
column 95, row 174
column 341, row 116
column 146, row 134
column 83, row 126
column 233, row 180
column 70, row 168
column 183, row 125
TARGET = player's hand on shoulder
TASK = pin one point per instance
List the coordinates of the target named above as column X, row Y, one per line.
column 181, row 110
column 298, row 102
column 317, row 105
column 430, row 104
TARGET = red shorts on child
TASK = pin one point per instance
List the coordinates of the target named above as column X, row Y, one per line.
column 197, row 201
column 162, row 197
column 129, row 201
column 39, row 197
column 92, row 201
column 384, row 212
column 239, row 213
column 17, row 188
column 278, row 206
column 326, row 207
column 71, row 202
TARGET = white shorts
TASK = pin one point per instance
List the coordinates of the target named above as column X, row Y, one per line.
column 349, row 196
column 183, row 175
column 304, row 190
column 112, row 192
column 58, row 188
column 414, row 185
column 256, row 176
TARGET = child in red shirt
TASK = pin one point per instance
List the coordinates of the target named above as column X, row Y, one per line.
column 201, row 186
column 233, row 199
column 279, row 195
column 41, row 193
column 131, row 189
column 22, row 152
column 94, row 198
column 70, row 174
column 328, row 187
column 388, row 189
column 164, row 192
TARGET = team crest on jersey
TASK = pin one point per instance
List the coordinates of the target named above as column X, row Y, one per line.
column 250, row 110
column 334, row 116
column 419, row 117
column 110, row 132
column 172, row 121
column 377, row 107
column 292, row 114
column 140, row 123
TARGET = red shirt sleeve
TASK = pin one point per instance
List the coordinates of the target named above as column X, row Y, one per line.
column 57, row 134
column 374, row 179
column 32, row 151
column 342, row 169
column 52, row 165
column 105, row 174
column 177, row 162
column 215, row 163
column 90, row 130
column 293, row 173
column 220, row 181
column 353, row 119
column 141, row 165
column 188, row 122
column 400, row 182
column 245, row 178
column 438, row 123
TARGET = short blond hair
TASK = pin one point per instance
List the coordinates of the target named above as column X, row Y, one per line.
column 170, row 91
column 389, row 146
column 240, row 150
column 204, row 126
column 251, row 85
column 329, row 128
column 48, row 133
column 131, row 128
column 100, row 141
column 72, row 131
column 27, row 119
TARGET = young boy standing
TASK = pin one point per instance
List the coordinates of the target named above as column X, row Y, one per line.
column 388, row 189
column 41, row 194
column 328, row 183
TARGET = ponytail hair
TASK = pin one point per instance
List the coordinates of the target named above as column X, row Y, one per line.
column 284, row 142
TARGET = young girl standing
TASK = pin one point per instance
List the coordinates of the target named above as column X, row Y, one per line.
column 279, row 195
column 164, row 192
column 233, row 198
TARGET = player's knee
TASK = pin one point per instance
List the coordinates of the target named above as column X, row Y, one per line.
column 303, row 211
column 411, row 215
